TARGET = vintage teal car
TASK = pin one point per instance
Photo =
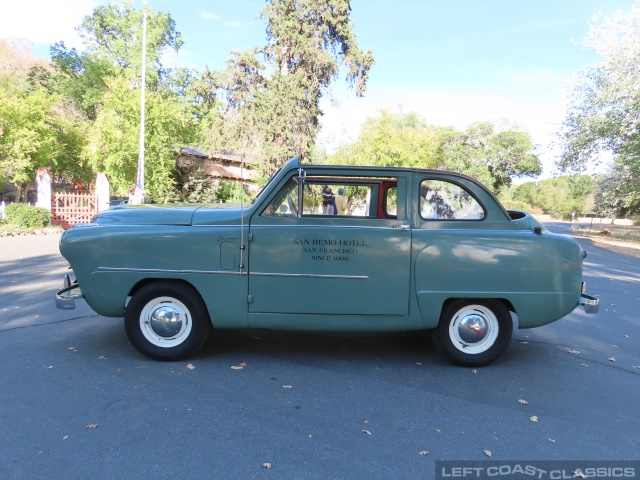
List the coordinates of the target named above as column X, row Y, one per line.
column 337, row 248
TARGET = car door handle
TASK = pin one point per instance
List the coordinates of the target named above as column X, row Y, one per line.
column 402, row 227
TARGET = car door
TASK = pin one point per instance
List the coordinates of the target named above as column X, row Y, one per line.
column 321, row 263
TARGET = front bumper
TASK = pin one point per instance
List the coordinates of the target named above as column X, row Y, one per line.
column 591, row 304
column 66, row 298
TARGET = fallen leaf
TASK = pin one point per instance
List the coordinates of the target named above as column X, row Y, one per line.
column 626, row 336
column 534, row 419
column 573, row 352
column 50, row 366
column 92, row 426
column 438, row 430
column 584, row 365
column 102, row 357
column 614, row 346
column 474, row 371
column 66, row 437
column 418, row 363
column 579, row 474
column 611, row 359
column 524, row 343
column 239, row 367
column 488, row 453
column 266, row 465
column 523, row 402
column 287, row 386
column 367, row 432
column 551, row 440
column 424, row 452
column 635, row 366
column 191, row 366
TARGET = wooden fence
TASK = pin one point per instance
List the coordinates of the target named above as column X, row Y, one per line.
column 70, row 208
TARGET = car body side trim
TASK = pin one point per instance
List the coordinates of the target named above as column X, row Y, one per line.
column 309, row 275
column 161, row 270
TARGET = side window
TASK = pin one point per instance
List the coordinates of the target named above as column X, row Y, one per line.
column 337, row 196
column 442, row 200
column 391, row 202
column 337, row 199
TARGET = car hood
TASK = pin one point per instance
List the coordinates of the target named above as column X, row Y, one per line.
column 171, row 214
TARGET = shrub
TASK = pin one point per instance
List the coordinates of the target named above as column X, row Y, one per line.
column 27, row 216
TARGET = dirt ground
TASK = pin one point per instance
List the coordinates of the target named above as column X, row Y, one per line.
column 620, row 239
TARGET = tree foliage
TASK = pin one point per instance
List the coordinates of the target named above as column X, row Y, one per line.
column 494, row 154
column 113, row 138
column 604, row 112
column 393, row 140
column 37, row 129
column 560, row 196
column 271, row 95
column 617, row 193
column 112, row 35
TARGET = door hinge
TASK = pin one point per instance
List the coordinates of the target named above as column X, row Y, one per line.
column 249, row 298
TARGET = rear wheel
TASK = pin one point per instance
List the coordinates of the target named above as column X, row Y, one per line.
column 167, row 320
column 474, row 333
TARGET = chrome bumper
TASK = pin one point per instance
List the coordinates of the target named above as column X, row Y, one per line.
column 66, row 298
column 591, row 304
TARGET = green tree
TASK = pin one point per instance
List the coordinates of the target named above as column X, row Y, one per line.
column 604, row 109
column 560, row 196
column 617, row 193
column 271, row 109
column 492, row 154
column 112, row 35
column 37, row 129
column 393, row 140
column 103, row 82
column 113, row 138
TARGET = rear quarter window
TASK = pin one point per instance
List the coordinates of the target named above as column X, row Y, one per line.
column 443, row 200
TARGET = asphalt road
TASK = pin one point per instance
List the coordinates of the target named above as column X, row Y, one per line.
column 77, row 401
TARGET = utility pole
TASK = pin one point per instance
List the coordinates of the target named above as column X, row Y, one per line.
column 140, row 173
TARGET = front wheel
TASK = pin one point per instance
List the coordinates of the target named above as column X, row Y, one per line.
column 473, row 333
column 167, row 321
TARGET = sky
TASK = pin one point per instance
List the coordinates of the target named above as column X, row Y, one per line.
column 453, row 62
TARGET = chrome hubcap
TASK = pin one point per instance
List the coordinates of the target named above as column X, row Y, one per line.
column 165, row 322
column 473, row 329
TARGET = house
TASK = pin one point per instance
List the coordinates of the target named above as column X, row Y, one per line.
column 224, row 166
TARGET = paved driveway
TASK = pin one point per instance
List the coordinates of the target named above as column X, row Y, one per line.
column 77, row 401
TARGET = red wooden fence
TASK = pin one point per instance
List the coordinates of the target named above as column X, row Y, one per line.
column 70, row 208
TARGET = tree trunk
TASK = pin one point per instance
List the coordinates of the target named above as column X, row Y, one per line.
column 18, row 192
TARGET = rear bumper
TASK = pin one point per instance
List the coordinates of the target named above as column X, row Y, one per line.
column 591, row 304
